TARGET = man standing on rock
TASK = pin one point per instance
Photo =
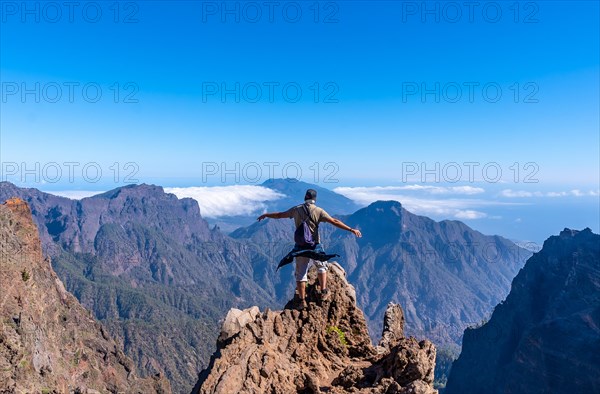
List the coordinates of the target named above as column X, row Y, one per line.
column 304, row 258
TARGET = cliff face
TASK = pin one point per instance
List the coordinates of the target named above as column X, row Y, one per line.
column 150, row 269
column 545, row 338
column 325, row 347
column 48, row 342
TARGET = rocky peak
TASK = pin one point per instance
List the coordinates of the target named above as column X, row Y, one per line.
column 569, row 233
column 544, row 337
column 384, row 210
column 143, row 189
column 393, row 326
column 48, row 341
column 21, row 222
column 325, row 347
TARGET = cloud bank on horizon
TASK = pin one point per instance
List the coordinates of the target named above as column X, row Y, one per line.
column 570, row 193
column 219, row 201
column 449, row 202
column 425, row 199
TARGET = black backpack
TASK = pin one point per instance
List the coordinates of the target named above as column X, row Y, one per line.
column 303, row 236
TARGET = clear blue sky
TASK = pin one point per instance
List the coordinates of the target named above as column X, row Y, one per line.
column 363, row 56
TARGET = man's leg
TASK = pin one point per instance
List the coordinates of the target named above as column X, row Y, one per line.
column 322, row 276
column 302, row 264
column 322, row 279
column 301, row 289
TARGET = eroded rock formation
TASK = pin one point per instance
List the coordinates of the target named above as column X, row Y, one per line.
column 324, row 348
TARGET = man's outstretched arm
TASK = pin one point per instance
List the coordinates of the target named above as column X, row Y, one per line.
column 339, row 224
column 274, row 215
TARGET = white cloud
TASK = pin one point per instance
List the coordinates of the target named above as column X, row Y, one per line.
column 553, row 194
column 75, row 194
column 469, row 214
column 518, row 193
column 459, row 208
column 576, row 193
column 228, row 200
column 466, row 190
column 525, row 194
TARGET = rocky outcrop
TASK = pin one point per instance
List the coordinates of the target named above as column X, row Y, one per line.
column 393, row 326
column 324, row 348
column 48, row 342
column 545, row 337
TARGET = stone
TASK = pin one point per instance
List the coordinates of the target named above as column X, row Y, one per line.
column 236, row 320
column 393, row 326
column 324, row 348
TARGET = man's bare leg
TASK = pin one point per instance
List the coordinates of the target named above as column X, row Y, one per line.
column 322, row 280
column 301, row 288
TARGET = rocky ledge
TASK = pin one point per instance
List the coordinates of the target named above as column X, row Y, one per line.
column 324, row 348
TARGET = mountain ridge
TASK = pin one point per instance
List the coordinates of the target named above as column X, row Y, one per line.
column 48, row 341
column 544, row 336
column 150, row 268
column 141, row 258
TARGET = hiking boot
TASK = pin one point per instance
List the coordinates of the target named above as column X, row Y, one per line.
column 301, row 304
column 324, row 295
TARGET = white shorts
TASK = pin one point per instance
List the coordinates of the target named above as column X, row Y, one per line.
column 304, row 263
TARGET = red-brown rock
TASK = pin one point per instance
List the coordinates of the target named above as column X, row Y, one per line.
column 325, row 348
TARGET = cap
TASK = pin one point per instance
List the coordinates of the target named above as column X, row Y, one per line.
column 311, row 194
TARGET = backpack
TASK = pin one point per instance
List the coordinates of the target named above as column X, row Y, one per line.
column 303, row 236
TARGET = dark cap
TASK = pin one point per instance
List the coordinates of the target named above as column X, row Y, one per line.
column 311, row 194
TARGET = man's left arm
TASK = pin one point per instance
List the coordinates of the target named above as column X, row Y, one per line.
column 275, row 215
column 339, row 224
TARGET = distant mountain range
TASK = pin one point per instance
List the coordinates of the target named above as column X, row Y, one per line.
column 545, row 337
column 152, row 269
column 293, row 191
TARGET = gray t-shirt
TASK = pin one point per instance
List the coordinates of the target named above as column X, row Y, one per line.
column 317, row 215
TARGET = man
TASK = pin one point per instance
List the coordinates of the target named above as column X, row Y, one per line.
column 317, row 215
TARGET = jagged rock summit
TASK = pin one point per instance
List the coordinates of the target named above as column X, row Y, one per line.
column 49, row 343
column 324, row 348
column 545, row 337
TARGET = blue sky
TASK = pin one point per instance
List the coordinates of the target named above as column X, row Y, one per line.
column 508, row 82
